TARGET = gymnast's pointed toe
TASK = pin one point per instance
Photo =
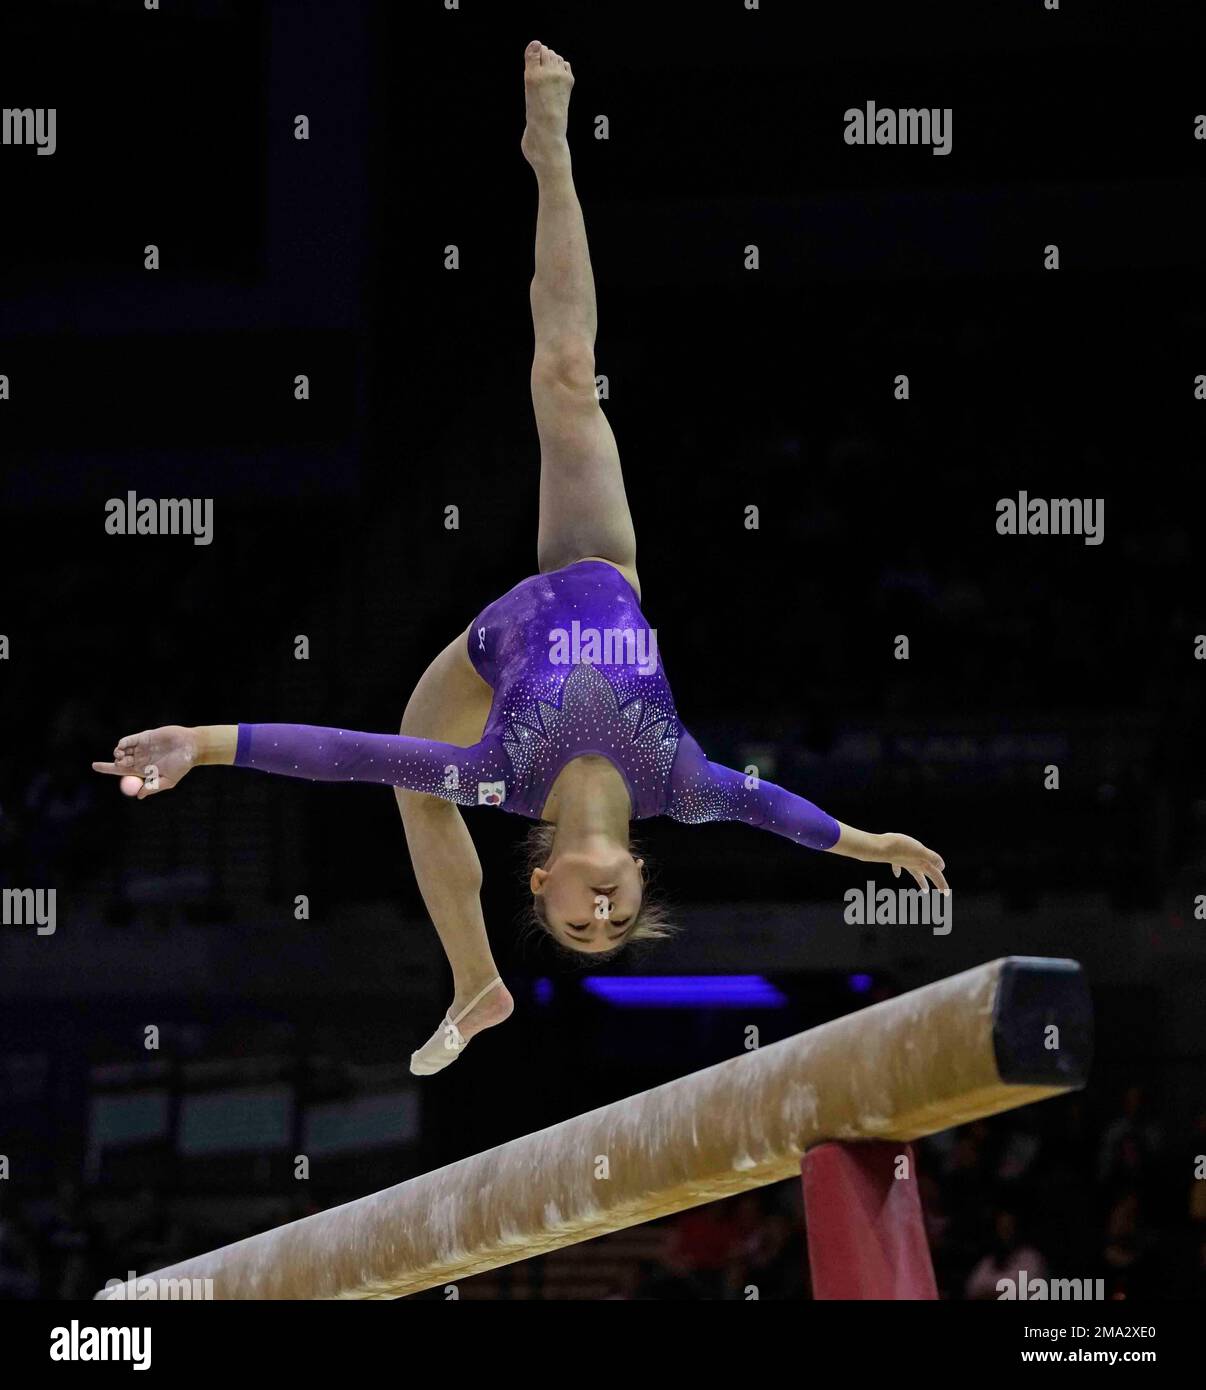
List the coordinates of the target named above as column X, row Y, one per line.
column 439, row 1051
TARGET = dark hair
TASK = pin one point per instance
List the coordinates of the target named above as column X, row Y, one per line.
column 650, row 922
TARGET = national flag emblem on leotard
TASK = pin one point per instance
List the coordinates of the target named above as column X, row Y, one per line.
column 491, row 793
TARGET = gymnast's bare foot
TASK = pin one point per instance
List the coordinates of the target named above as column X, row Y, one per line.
column 547, row 79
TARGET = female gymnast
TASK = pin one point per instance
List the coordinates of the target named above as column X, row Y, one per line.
column 553, row 703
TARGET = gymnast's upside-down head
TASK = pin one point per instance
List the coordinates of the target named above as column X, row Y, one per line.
column 592, row 898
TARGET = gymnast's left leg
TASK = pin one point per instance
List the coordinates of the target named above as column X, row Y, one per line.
column 583, row 507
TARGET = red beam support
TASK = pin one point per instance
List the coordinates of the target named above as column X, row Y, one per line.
column 866, row 1231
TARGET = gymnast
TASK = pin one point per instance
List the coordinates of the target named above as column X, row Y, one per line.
column 553, row 703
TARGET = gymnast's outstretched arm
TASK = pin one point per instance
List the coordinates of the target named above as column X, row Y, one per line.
column 701, row 790
column 162, row 757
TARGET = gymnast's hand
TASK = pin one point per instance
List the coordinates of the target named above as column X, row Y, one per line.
column 157, row 758
column 903, row 852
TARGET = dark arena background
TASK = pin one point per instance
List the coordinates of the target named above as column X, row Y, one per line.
column 831, row 369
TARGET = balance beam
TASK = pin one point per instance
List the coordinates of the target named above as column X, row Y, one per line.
column 1005, row 1034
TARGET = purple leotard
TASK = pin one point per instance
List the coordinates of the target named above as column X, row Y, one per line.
column 575, row 669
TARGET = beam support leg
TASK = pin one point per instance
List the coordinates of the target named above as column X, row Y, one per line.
column 866, row 1232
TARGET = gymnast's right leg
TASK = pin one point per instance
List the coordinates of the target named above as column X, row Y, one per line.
column 583, row 507
column 451, row 703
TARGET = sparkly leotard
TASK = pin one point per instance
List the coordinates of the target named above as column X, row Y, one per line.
column 575, row 669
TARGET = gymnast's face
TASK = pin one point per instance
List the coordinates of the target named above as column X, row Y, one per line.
column 590, row 896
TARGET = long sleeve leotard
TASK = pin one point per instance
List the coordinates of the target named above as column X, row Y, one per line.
column 575, row 669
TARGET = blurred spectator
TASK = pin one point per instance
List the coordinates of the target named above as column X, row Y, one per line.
column 72, row 1244
column 1130, row 1143
column 1192, row 1170
column 59, row 798
column 774, row 1253
column 19, row 1272
column 698, row 1254
column 1008, row 1257
column 1127, row 1250
column 152, row 1238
